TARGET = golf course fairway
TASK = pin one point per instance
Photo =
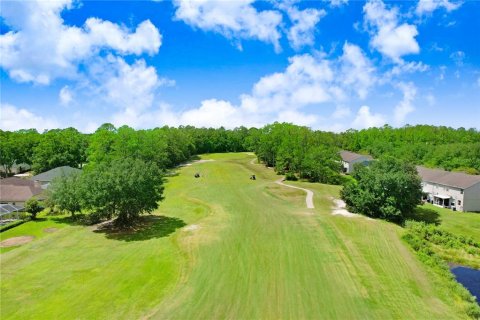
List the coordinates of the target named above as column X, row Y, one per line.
column 224, row 247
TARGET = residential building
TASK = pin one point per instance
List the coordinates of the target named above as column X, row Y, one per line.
column 454, row 190
column 16, row 191
column 349, row 159
column 47, row 177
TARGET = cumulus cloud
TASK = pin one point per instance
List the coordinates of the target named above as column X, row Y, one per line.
column 367, row 119
column 235, row 20
column 302, row 32
column 390, row 38
column 308, row 80
column 405, row 106
column 357, row 70
column 41, row 47
column 13, row 118
column 65, row 96
column 428, row 6
column 130, row 88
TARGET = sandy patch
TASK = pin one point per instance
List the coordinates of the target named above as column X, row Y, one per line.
column 203, row 161
column 16, row 241
column 192, row 227
column 193, row 162
column 340, row 209
column 50, row 230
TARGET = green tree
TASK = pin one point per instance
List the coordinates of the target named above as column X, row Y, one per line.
column 33, row 207
column 122, row 188
column 66, row 193
column 57, row 148
column 388, row 189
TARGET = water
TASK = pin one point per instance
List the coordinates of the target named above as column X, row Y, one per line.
column 469, row 278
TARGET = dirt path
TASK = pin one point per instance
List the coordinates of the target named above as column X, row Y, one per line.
column 308, row 199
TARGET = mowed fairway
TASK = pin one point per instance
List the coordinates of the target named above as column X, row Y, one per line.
column 249, row 250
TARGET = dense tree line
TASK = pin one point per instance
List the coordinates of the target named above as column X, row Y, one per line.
column 286, row 147
column 442, row 147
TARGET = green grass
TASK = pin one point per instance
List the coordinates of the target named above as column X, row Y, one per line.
column 251, row 250
column 459, row 223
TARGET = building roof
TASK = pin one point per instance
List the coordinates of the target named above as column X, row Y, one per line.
column 8, row 208
column 447, row 178
column 49, row 175
column 18, row 190
column 348, row 156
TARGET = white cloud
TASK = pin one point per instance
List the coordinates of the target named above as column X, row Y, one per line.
column 428, row 6
column 235, row 20
column 357, row 70
column 458, row 57
column 405, row 106
column 13, row 118
column 404, row 67
column 392, row 39
column 65, row 95
column 41, row 47
column 366, row 119
column 341, row 112
column 338, row 3
column 308, row 80
column 302, row 32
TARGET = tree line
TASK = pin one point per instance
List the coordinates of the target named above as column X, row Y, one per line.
column 286, row 147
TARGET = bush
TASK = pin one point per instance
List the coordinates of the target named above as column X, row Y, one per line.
column 420, row 236
column 290, row 176
column 11, row 225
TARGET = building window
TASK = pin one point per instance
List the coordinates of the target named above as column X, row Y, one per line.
column 461, row 191
column 459, row 202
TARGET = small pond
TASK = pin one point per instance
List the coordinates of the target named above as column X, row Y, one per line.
column 469, row 278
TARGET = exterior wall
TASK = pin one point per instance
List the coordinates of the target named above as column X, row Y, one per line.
column 472, row 198
column 14, row 203
column 454, row 193
column 348, row 166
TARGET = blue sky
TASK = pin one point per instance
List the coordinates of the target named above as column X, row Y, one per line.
column 330, row 65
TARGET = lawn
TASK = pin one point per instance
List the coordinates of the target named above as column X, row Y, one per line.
column 224, row 246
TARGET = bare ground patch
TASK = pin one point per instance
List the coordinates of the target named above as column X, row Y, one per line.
column 340, row 209
column 50, row 230
column 192, row 227
column 16, row 241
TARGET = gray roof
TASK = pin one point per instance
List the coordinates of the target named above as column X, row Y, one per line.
column 447, row 178
column 16, row 189
column 348, row 156
column 49, row 175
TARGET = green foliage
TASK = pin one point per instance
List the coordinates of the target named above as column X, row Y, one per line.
column 447, row 148
column 322, row 164
column 33, row 207
column 426, row 240
column 11, row 225
column 290, row 176
column 388, row 189
column 59, row 148
column 122, row 188
column 66, row 193
column 290, row 148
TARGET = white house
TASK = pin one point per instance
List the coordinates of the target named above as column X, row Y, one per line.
column 349, row 159
column 454, row 190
